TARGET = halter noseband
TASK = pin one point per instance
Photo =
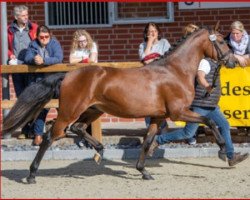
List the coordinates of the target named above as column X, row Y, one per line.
column 221, row 57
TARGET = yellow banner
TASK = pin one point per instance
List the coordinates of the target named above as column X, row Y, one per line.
column 235, row 95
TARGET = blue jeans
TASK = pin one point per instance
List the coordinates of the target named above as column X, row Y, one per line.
column 190, row 129
column 148, row 120
column 37, row 127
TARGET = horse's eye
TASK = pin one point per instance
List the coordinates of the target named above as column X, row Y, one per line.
column 222, row 42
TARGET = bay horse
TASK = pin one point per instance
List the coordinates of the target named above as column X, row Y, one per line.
column 161, row 89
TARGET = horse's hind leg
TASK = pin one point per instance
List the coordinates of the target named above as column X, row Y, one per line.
column 47, row 141
column 153, row 129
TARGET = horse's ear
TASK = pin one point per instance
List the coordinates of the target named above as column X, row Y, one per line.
column 217, row 26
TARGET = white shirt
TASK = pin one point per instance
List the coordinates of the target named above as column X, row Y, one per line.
column 204, row 66
column 84, row 53
column 160, row 47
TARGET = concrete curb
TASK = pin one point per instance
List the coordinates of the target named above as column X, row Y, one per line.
column 115, row 154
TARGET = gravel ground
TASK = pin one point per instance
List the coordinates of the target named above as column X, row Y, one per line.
column 174, row 178
column 199, row 177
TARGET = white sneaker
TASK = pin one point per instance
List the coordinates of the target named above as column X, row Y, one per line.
column 192, row 141
column 80, row 143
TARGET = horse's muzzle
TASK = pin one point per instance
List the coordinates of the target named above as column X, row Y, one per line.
column 231, row 61
column 230, row 64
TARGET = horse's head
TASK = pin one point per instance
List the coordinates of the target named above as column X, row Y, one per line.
column 220, row 50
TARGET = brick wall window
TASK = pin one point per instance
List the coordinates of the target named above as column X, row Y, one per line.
column 77, row 14
column 105, row 14
column 140, row 12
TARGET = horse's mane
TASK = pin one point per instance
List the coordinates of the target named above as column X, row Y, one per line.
column 182, row 40
column 178, row 43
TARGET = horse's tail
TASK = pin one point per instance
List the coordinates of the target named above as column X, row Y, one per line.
column 31, row 102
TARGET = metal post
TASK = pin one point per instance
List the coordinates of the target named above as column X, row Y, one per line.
column 4, row 56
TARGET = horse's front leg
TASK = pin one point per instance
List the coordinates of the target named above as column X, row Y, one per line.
column 80, row 129
column 36, row 162
column 140, row 166
column 48, row 139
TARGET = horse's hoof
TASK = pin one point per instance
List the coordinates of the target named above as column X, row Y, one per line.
column 147, row 177
column 31, row 180
column 97, row 158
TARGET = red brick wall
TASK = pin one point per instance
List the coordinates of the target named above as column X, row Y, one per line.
column 120, row 42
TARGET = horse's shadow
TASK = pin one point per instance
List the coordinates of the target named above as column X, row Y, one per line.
column 88, row 168
column 79, row 170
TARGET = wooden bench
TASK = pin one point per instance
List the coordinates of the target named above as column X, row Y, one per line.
column 10, row 69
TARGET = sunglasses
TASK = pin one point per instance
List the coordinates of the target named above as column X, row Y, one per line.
column 44, row 37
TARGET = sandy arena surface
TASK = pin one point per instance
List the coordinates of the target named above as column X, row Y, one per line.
column 174, row 178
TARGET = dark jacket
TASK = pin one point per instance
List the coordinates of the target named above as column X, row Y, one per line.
column 200, row 91
column 54, row 49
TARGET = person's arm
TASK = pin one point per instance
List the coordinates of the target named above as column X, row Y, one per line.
column 38, row 60
column 203, row 81
column 74, row 59
column 93, row 57
column 93, row 54
column 242, row 59
column 30, row 55
column 11, row 55
column 57, row 54
column 145, row 48
column 203, row 69
column 10, row 44
column 143, row 55
column 141, row 51
column 149, row 45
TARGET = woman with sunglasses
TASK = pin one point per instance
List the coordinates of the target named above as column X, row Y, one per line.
column 83, row 48
column 44, row 50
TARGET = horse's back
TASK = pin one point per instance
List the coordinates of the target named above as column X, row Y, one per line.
column 107, row 75
column 112, row 89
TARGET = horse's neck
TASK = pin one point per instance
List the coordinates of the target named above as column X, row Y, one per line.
column 189, row 55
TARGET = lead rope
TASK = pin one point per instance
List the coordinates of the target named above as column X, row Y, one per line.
column 215, row 76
